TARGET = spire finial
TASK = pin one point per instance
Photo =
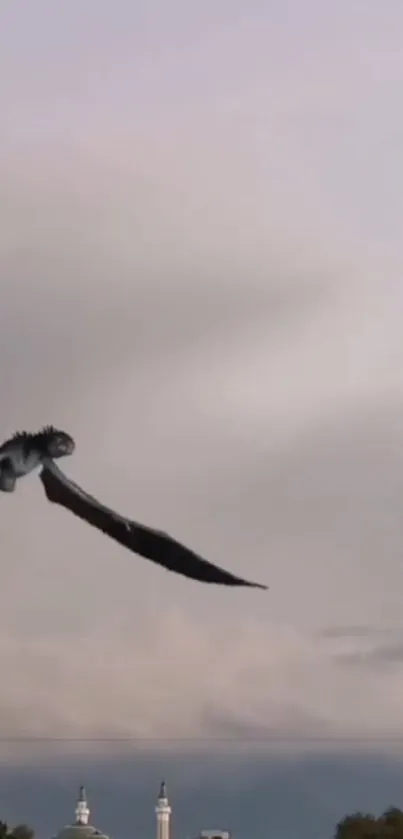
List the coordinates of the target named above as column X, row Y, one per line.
column 163, row 811
column 82, row 809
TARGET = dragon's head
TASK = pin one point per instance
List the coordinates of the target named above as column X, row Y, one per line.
column 54, row 442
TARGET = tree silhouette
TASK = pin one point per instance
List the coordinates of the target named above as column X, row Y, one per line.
column 366, row 826
column 358, row 826
column 21, row 831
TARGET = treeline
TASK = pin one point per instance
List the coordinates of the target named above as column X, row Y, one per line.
column 20, row 831
column 366, row 826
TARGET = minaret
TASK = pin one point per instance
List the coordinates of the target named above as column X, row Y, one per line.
column 82, row 810
column 163, row 812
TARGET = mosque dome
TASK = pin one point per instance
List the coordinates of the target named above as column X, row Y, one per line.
column 80, row 829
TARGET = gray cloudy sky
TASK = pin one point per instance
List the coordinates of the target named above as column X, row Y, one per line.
column 201, row 275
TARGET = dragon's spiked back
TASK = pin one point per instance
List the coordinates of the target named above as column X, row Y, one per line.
column 50, row 440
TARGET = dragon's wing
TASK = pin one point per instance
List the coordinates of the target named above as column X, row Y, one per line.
column 151, row 544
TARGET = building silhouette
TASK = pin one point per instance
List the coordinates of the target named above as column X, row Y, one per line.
column 82, row 829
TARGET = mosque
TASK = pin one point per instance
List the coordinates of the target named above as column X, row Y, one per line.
column 81, row 829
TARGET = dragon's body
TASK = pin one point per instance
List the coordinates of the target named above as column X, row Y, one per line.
column 24, row 452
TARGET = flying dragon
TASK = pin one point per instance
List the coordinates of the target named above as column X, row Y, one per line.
column 25, row 452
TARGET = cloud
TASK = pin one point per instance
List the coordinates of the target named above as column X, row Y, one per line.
column 283, row 475
column 336, row 632
column 208, row 301
column 376, row 657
